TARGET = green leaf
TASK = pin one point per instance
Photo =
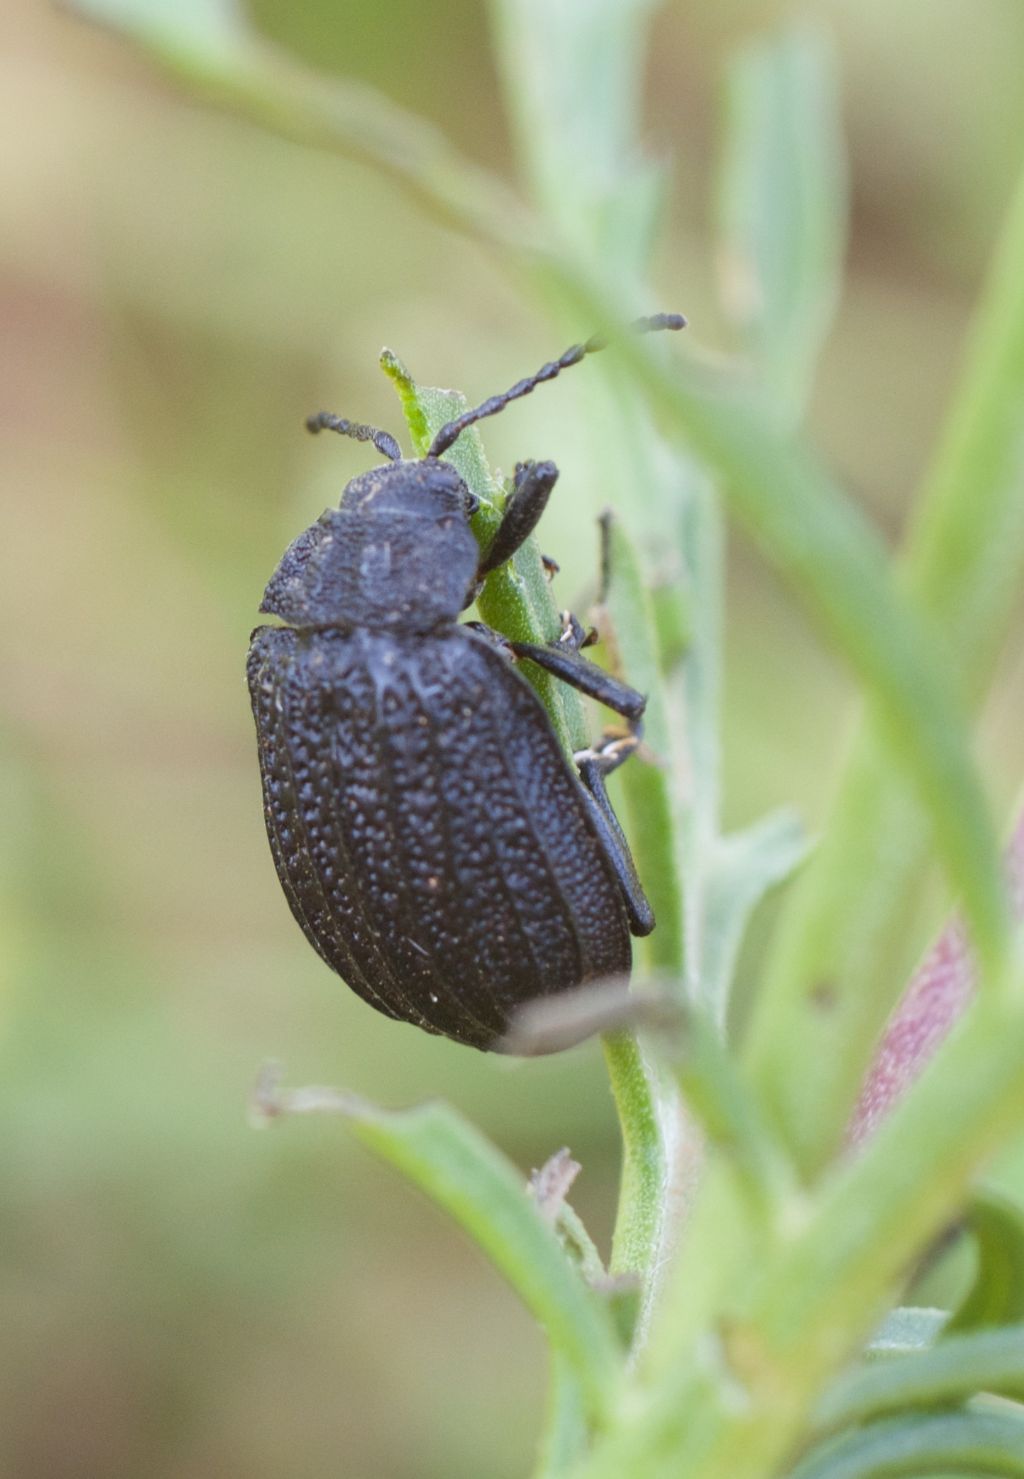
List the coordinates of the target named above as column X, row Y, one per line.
column 744, row 867
column 971, row 1442
column 196, row 32
column 997, row 1295
column 208, row 46
column 782, row 206
column 952, row 1370
column 574, row 77
column 731, row 1118
column 703, row 553
column 473, row 1182
column 565, row 1435
column 647, row 783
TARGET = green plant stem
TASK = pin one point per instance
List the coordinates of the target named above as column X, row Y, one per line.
column 573, row 82
column 662, row 1151
column 644, row 1156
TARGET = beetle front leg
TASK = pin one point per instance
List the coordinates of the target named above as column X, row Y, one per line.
column 531, row 488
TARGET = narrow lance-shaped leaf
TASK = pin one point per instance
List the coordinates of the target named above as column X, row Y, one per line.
column 462, row 1172
column 996, row 1296
column 847, row 927
column 972, row 1442
column 744, row 867
column 632, row 636
column 782, row 206
column 210, row 47
column 573, row 80
column 566, row 1430
column 952, row 1370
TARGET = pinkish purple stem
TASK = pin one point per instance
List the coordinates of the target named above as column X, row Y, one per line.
column 938, row 992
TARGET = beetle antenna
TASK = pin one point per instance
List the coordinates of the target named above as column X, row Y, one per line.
column 495, row 403
column 382, row 440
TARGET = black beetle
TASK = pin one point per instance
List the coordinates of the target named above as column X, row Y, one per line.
column 432, row 840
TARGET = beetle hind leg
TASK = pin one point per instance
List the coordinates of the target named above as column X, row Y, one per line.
column 562, row 659
column 593, row 767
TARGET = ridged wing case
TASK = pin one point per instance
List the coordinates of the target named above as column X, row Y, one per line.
column 431, row 838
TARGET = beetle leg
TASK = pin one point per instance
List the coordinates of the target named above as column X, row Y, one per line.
column 613, row 751
column 565, row 662
column 593, row 766
column 574, row 635
column 596, row 762
column 497, row 641
column 531, row 488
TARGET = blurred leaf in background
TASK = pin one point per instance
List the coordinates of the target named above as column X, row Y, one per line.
column 181, row 1297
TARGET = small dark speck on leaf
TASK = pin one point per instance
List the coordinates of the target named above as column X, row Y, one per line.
column 824, row 996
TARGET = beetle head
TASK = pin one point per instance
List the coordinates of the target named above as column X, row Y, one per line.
column 397, row 552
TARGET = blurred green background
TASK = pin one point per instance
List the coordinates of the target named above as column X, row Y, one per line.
column 181, row 1296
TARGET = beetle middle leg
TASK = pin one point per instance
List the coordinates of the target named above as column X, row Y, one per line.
column 596, row 763
column 563, row 660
